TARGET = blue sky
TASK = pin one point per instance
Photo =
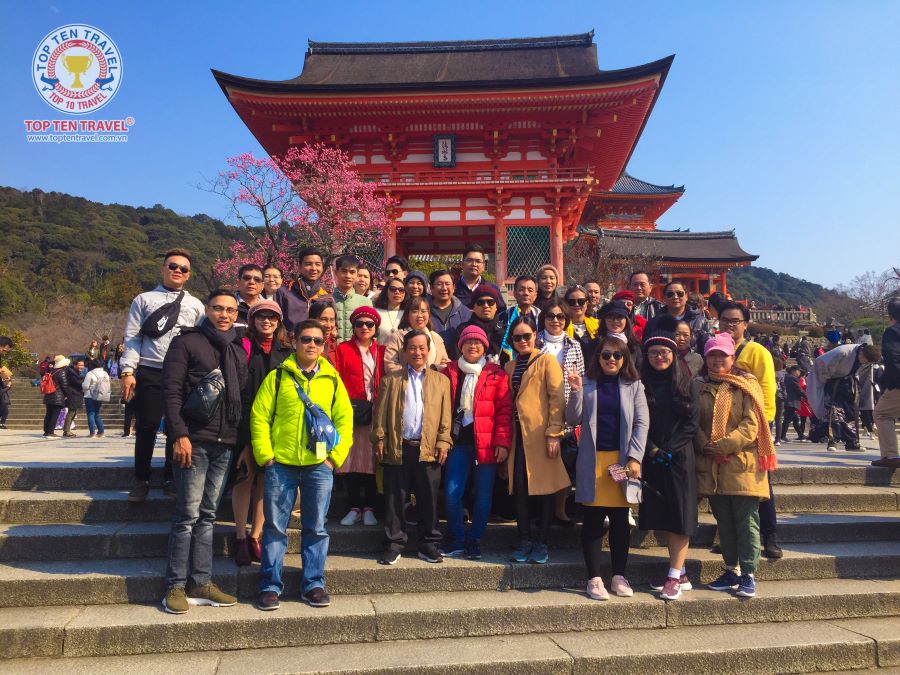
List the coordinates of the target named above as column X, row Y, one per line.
column 780, row 118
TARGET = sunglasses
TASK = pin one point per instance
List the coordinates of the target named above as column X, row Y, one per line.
column 266, row 317
column 306, row 339
column 392, row 272
column 673, row 294
column 184, row 269
column 522, row 337
column 396, row 289
column 485, row 302
column 555, row 317
column 609, row 356
column 576, row 302
column 250, row 277
column 364, row 324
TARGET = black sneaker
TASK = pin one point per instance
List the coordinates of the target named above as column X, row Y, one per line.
column 169, row 489
column 267, row 601
column 316, row 597
column 473, row 550
column 771, row 549
column 389, row 557
column 431, row 554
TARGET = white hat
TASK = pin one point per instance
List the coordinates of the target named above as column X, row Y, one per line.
column 60, row 361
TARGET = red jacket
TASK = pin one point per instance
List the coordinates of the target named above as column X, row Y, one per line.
column 348, row 362
column 638, row 327
column 493, row 409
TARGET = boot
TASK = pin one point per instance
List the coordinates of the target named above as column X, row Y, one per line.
column 771, row 549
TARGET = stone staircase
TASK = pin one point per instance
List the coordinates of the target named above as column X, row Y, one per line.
column 26, row 409
column 81, row 576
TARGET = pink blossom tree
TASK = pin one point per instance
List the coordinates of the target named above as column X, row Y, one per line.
column 311, row 196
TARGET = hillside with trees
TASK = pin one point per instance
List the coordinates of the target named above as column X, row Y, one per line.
column 768, row 287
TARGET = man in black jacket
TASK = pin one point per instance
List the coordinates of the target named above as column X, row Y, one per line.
column 203, row 446
column 888, row 409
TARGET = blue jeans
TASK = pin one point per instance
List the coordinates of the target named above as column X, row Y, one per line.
column 281, row 484
column 199, row 489
column 95, row 424
column 460, row 464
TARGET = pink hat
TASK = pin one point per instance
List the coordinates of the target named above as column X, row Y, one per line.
column 264, row 306
column 473, row 332
column 366, row 312
column 720, row 343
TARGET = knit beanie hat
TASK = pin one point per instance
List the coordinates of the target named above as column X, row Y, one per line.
column 661, row 338
column 416, row 274
column 366, row 312
column 486, row 291
column 473, row 332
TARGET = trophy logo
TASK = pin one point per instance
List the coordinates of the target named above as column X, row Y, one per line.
column 77, row 69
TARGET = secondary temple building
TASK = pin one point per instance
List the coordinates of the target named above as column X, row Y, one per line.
column 517, row 144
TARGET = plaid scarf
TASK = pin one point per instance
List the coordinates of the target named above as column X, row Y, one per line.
column 765, row 447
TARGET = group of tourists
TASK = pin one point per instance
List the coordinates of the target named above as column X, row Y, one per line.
column 433, row 382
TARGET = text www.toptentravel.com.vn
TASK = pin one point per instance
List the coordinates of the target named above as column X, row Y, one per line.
column 77, row 138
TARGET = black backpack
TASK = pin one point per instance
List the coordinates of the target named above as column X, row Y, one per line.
column 162, row 319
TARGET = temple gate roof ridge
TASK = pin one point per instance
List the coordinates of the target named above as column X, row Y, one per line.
column 576, row 40
column 629, row 185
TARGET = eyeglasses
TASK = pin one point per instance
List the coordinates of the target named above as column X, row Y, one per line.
column 659, row 353
column 184, row 269
column 609, row 356
column 673, row 294
column 221, row 309
column 473, row 261
column 251, row 277
column 394, row 271
column 522, row 337
column 555, row 317
column 485, row 302
column 306, row 339
column 576, row 302
column 266, row 317
column 368, row 325
column 396, row 289
column 730, row 322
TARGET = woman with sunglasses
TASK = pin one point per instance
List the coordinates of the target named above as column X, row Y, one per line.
column 615, row 320
column 325, row 314
column 267, row 347
column 668, row 466
column 416, row 284
column 390, row 304
column 581, row 326
column 567, row 352
column 360, row 363
column 548, row 283
column 534, row 468
column 611, row 408
column 417, row 316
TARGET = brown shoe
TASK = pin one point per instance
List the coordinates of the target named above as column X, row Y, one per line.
column 255, row 549
column 267, row 601
column 888, row 462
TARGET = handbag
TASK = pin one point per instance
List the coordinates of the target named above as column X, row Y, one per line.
column 203, row 402
column 362, row 412
column 162, row 319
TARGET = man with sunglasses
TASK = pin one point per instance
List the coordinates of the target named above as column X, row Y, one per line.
column 295, row 301
column 485, row 303
column 396, row 267
column 472, row 268
column 676, row 299
column 142, row 361
column 250, row 288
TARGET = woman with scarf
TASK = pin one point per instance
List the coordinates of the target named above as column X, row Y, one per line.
column 482, row 425
column 534, row 468
column 360, row 363
column 734, row 450
column 611, row 408
column 267, row 346
column 670, row 502
column 553, row 340
column 418, row 316
column 615, row 320
column 581, row 326
column 548, row 283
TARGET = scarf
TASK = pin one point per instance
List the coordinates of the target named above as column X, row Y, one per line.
column 765, row 448
column 266, row 344
column 467, row 396
column 232, row 354
column 504, row 344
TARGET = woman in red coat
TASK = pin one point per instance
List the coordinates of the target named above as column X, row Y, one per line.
column 360, row 363
column 482, row 429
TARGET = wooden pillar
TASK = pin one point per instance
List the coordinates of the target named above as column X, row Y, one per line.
column 500, row 250
column 724, row 286
column 556, row 247
column 390, row 242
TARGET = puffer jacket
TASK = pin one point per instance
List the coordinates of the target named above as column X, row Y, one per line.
column 74, row 395
column 259, row 365
column 492, row 411
column 733, row 469
column 348, row 363
column 277, row 425
column 58, row 397
column 96, row 386
column 343, row 308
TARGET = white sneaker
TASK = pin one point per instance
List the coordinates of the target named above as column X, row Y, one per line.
column 621, row 587
column 352, row 518
column 368, row 517
column 631, row 522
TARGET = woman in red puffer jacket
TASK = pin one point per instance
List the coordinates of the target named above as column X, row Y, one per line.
column 482, row 426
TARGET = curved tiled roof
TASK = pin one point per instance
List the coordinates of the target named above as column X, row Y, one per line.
column 629, row 185
column 675, row 245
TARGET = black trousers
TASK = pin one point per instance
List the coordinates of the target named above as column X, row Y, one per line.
column 544, row 503
column 129, row 417
column 768, row 518
column 50, row 418
column 361, row 490
column 425, row 478
column 592, row 538
column 867, row 418
column 4, row 412
column 792, row 417
column 148, row 410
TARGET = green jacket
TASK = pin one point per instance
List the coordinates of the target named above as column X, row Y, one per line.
column 284, row 438
column 343, row 308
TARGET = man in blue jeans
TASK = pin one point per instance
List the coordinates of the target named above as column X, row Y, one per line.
column 295, row 460
column 203, row 441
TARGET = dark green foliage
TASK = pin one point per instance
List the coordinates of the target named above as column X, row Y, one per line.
column 55, row 246
column 766, row 287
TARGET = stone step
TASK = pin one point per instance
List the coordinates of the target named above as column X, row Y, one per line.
column 115, row 630
column 111, row 581
column 806, row 646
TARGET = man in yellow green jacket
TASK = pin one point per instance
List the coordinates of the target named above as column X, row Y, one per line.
column 282, row 444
